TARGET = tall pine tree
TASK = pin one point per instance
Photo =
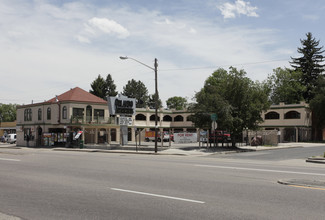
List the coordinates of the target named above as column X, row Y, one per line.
column 98, row 87
column 110, row 86
column 310, row 64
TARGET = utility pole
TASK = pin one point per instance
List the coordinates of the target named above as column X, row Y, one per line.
column 156, row 107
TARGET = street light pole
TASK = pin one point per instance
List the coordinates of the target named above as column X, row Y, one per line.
column 156, row 95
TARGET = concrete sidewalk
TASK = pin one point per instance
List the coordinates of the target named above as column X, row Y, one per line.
column 189, row 149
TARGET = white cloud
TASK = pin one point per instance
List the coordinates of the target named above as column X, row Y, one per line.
column 109, row 27
column 240, row 7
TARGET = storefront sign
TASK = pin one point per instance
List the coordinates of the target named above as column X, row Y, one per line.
column 185, row 138
column 121, row 105
column 125, row 121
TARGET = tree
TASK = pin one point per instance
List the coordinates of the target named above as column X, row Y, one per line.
column 176, row 102
column 137, row 90
column 310, row 64
column 99, row 87
column 152, row 102
column 110, row 86
column 285, row 86
column 317, row 105
column 7, row 112
column 237, row 100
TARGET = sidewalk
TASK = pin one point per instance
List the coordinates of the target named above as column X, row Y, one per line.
column 189, row 149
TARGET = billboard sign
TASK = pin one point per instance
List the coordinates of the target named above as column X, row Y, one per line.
column 121, row 105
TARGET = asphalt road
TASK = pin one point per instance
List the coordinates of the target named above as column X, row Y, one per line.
column 47, row 184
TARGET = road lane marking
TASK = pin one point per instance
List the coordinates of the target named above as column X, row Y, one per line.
column 307, row 187
column 9, row 159
column 261, row 170
column 157, row 195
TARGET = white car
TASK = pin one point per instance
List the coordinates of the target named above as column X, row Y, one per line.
column 11, row 138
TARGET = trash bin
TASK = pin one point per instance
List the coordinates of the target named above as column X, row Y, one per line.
column 81, row 144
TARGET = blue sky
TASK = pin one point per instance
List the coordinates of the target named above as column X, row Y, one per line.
column 50, row 46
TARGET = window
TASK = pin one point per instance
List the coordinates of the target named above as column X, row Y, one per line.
column 48, row 113
column 179, row 118
column 99, row 113
column 189, row 118
column 64, row 112
column 152, row 118
column 292, row 115
column 272, row 115
column 28, row 114
column 77, row 112
column 167, row 118
column 39, row 114
column 140, row 117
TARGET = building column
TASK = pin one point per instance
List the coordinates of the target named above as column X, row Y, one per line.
column 108, row 133
column 96, row 135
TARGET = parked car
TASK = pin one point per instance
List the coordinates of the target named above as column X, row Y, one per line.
column 11, row 138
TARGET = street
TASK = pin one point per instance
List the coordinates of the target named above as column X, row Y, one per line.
column 49, row 184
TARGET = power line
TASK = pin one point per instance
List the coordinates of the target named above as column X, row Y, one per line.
column 214, row 67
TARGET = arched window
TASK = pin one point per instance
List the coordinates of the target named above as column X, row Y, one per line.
column 89, row 113
column 167, row 118
column 48, row 113
column 64, row 112
column 179, row 118
column 292, row 115
column 152, row 118
column 39, row 114
column 140, row 117
column 28, row 114
column 272, row 115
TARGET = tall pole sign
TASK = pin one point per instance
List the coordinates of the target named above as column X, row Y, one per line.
column 124, row 107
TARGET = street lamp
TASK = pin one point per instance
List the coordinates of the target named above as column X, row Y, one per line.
column 156, row 95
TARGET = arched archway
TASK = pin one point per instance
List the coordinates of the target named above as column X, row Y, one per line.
column 179, row 118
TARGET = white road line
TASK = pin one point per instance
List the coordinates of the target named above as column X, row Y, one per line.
column 261, row 170
column 9, row 159
column 156, row 195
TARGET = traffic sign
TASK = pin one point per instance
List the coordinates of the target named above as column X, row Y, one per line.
column 214, row 117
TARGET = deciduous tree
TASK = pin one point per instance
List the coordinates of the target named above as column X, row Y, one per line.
column 176, row 102
column 136, row 89
column 285, row 86
column 237, row 100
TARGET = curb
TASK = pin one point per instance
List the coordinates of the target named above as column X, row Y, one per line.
column 316, row 160
column 304, row 183
column 117, row 151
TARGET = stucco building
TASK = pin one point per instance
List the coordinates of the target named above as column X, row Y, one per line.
column 58, row 120
column 292, row 121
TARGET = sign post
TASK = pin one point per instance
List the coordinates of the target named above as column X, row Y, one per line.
column 214, row 118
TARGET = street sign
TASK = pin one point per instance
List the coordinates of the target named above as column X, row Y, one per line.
column 214, row 117
column 125, row 121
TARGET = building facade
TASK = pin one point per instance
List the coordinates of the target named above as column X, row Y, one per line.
column 56, row 122
column 292, row 121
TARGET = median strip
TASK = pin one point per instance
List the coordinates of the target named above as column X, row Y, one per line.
column 157, row 195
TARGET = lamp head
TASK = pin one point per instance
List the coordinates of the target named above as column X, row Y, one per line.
column 123, row 58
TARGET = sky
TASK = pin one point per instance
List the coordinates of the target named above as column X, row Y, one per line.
column 50, row 46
